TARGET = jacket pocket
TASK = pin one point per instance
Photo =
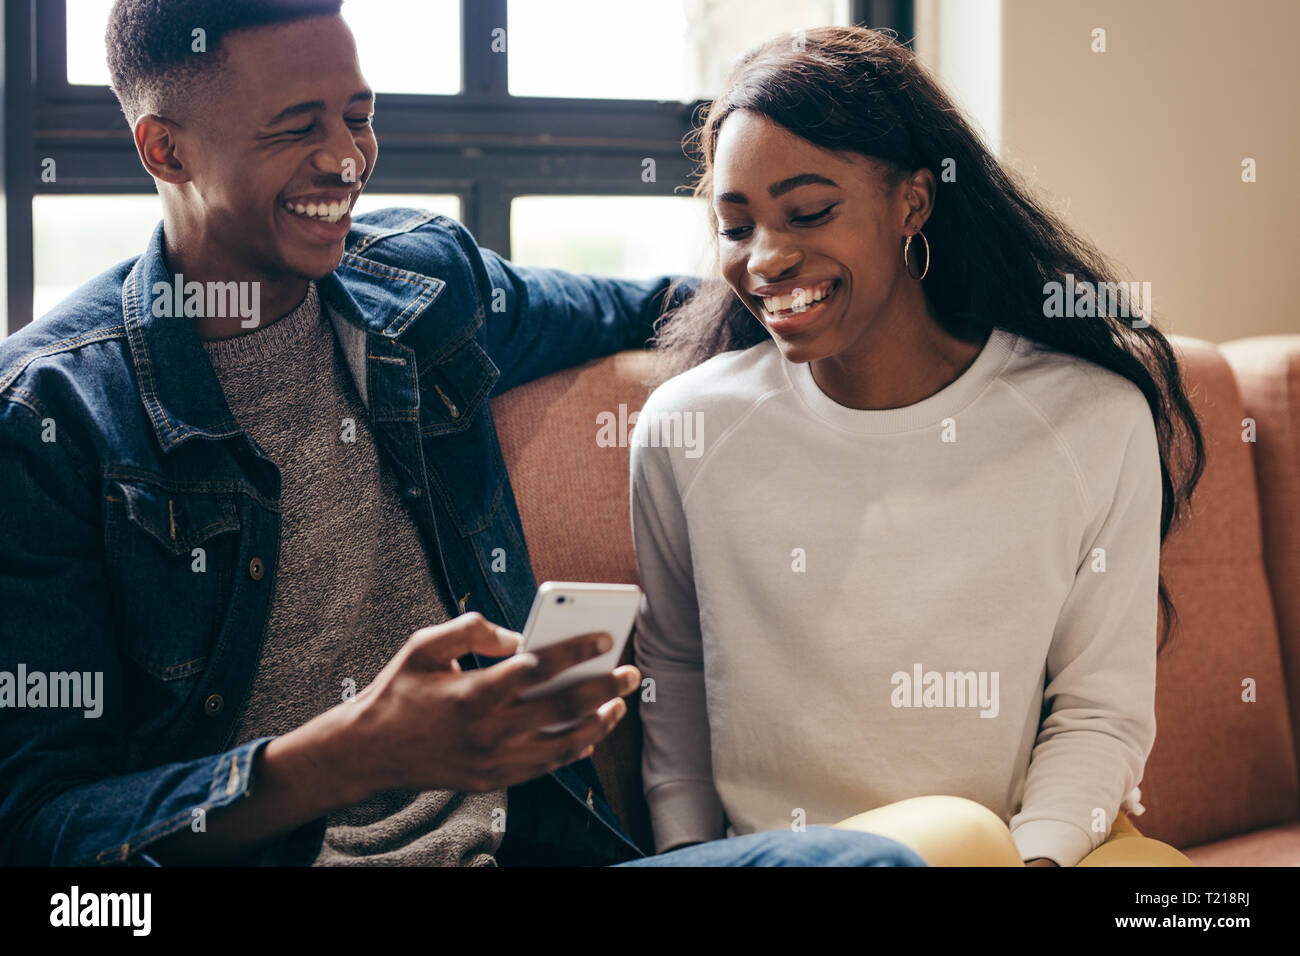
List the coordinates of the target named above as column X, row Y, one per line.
column 179, row 522
column 453, row 389
column 171, row 552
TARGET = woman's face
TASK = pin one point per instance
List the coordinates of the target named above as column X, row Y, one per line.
column 810, row 240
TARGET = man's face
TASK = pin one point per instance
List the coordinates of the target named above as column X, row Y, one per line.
column 279, row 153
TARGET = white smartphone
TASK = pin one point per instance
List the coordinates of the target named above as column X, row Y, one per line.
column 564, row 609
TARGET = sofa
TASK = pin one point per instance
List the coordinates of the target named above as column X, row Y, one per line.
column 1221, row 781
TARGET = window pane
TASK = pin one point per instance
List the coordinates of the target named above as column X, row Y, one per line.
column 87, row 56
column 77, row 237
column 668, row 50
column 404, row 47
column 407, row 47
column 74, row 238
column 441, row 204
column 632, row 237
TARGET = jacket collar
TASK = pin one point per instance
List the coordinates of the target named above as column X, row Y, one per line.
column 178, row 386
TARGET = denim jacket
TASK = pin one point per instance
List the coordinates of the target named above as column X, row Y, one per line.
column 119, row 460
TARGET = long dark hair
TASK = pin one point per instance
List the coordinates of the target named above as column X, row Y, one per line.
column 850, row 89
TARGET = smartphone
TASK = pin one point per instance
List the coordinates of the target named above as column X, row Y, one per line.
column 564, row 609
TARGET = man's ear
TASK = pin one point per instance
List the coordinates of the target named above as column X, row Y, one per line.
column 157, row 143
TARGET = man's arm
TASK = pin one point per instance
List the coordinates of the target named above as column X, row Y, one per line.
column 63, row 798
column 539, row 321
column 65, row 795
column 422, row 724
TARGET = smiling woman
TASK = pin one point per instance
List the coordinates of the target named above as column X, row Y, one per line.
column 937, row 463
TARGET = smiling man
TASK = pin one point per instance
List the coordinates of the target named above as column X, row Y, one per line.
column 259, row 152
column 277, row 536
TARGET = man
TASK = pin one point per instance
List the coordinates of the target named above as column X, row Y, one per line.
column 245, row 466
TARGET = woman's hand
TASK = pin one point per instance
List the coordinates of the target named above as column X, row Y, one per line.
column 1040, row 861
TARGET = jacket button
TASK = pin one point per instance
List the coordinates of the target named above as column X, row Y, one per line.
column 413, row 491
column 212, row 706
column 256, row 569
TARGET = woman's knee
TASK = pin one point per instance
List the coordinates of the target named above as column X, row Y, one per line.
column 944, row 830
column 1135, row 851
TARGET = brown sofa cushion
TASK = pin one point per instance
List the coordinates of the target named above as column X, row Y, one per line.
column 573, row 500
column 1219, row 766
column 1268, row 373
column 1271, row 846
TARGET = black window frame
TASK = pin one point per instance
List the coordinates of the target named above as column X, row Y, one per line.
column 483, row 144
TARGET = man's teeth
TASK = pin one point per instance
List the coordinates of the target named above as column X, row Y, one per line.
column 325, row 212
column 801, row 299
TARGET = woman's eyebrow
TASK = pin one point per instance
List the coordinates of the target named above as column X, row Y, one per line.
column 780, row 189
column 794, row 182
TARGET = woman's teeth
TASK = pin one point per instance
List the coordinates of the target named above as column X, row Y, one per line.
column 324, row 212
column 800, row 300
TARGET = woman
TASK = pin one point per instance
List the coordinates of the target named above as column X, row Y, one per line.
column 918, row 551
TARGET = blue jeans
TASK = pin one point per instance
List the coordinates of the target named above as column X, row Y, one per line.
column 816, row 846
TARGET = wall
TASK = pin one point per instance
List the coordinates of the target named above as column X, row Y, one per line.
column 1141, row 146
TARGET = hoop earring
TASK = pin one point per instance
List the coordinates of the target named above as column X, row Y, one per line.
column 906, row 265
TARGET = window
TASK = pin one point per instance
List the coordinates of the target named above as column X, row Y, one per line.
column 528, row 120
column 75, row 237
column 668, row 50
column 87, row 20
column 422, row 57
column 442, row 205
column 632, row 237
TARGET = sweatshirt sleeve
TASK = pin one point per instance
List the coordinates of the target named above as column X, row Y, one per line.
column 676, row 765
column 1099, row 697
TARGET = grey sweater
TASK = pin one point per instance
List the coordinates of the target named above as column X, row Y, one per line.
column 353, row 581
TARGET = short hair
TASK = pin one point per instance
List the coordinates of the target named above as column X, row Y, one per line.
column 151, row 55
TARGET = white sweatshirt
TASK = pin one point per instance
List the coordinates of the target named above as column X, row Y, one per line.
column 846, row 608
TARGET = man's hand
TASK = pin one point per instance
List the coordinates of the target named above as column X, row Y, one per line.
column 422, row 724
column 426, row 724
